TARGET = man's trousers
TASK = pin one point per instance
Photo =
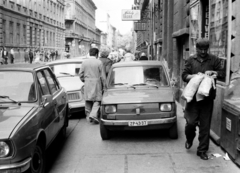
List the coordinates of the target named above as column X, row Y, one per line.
column 92, row 108
column 199, row 113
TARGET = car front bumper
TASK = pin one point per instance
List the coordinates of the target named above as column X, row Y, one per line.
column 150, row 121
column 15, row 167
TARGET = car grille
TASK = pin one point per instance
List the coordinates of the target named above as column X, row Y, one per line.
column 74, row 96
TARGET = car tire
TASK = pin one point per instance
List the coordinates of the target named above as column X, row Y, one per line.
column 173, row 131
column 38, row 162
column 105, row 133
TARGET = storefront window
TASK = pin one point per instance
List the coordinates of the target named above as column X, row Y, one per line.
column 218, row 34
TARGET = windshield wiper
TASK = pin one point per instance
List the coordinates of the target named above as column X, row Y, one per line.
column 7, row 97
column 144, row 84
column 126, row 84
column 67, row 74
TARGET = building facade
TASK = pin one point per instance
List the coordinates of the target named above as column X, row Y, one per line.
column 109, row 33
column 81, row 31
column 32, row 24
column 175, row 26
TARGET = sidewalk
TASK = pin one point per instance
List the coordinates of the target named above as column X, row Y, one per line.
column 216, row 163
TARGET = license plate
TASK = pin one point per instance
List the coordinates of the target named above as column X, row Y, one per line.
column 137, row 123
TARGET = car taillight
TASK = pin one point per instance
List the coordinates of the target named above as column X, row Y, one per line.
column 165, row 107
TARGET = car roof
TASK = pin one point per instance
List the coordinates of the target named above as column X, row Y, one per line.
column 22, row 67
column 63, row 61
column 137, row 63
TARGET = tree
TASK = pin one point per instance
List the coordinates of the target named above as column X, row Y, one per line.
column 125, row 40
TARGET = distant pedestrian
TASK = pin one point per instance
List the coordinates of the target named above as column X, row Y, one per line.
column 143, row 57
column 92, row 74
column 5, row 55
column 12, row 56
column 30, row 56
column 107, row 63
column 128, row 56
column 26, row 56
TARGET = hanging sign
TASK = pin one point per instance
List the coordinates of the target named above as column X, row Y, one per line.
column 131, row 15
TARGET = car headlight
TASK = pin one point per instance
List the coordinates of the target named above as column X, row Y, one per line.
column 4, row 149
column 165, row 107
column 109, row 109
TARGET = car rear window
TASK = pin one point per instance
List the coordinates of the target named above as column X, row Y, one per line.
column 142, row 76
column 66, row 69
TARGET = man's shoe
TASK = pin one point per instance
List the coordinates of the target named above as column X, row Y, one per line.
column 94, row 120
column 202, row 155
column 188, row 145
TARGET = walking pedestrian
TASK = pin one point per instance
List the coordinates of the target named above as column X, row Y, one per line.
column 30, row 56
column 143, row 57
column 12, row 56
column 26, row 56
column 200, row 113
column 5, row 55
column 92, row 74
column 128, row 56
column 107, row 63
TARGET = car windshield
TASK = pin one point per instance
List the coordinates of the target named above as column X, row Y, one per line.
column 141, row 76
column 70, row 69
column 18, row 86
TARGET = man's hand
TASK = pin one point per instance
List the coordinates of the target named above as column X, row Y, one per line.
column 210, row 73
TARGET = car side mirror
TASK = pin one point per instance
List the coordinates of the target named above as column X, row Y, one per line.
column 46, row 99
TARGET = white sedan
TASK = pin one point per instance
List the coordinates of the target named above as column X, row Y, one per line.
column 67, row 71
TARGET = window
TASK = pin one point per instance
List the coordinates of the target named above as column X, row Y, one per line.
column 24, row 34
column 11, row 32
column 18, row 33
column 51, row 81
column 43, row 84
column 36, row 33
column 31, row 39
column 3, row 31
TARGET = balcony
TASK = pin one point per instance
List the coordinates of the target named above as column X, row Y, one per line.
column 70, row 34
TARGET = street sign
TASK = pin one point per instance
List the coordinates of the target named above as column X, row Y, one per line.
column 131, row 15
column 140, row 26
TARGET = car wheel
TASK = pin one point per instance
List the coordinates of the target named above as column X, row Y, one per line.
column 173, row 131
column 105, row 133
column 38, row 162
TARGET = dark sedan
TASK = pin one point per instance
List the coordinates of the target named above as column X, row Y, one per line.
column 33, row 111
column 139, row 96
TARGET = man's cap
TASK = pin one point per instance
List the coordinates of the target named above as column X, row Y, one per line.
column 202, row 42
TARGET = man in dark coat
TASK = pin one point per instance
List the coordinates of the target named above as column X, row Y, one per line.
column 31, row 56
column 5, row 55
column 200, row 112
column 143, row 57
column 107, row 63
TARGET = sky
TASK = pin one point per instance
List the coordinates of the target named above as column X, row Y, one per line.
column 114, row 9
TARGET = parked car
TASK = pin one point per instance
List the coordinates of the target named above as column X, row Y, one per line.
column 139, row 96
column 33, row 111
column 67, row 71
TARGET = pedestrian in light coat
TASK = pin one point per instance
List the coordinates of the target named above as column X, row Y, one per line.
column 12, row 56
column 93, row 76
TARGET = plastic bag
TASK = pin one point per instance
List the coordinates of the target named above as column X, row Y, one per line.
column 204, row 88
column 192, row 87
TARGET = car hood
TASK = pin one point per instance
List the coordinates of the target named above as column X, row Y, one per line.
column 10, row 117
column 138, row 96
column 71, row 83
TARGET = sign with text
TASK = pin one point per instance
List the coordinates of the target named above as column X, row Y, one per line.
column 140, row 26
column 131, row 15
